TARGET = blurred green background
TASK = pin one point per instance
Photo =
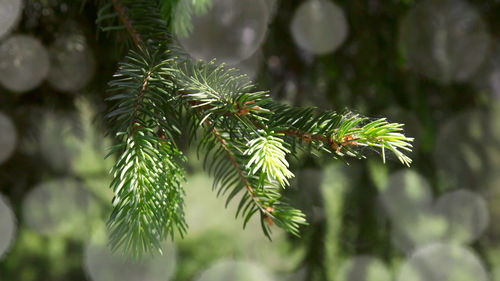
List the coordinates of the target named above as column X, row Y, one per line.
column 433, row 65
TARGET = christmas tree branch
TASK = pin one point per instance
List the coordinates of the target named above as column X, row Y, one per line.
column 245, row 136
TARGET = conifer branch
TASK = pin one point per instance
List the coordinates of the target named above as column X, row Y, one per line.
column 147, row 177
column 246, row 137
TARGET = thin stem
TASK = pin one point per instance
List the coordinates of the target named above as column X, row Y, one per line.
column 241, row 174
column 139, row 97
column 336, row 145
column 128, row 24
column 302, row 135
column 231, row 157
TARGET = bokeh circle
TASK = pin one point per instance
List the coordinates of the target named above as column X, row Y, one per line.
column 10, row 12
column 9, row 226
column 230, row 31
column 363, row 268
column 445, row 40
column 61, row 207
column 319, row 26
column 24, row 63
column 228, row 270
column 102, row 264
column 443, row 262
column 8, row 137
column 72, row 63
column 466, row 214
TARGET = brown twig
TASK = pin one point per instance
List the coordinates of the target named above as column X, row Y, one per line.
column 120, row 10
column 349, row 140
column 230, row 155
column 139, row 97
column 305, row 136
column 233, row 160
column 128, row 24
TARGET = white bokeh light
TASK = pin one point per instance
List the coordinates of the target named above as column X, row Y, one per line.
column 8, row 226
column 8, row 138
column 251, row 65
column 102, row 264
column 492, row 195
column 495, row 273
column 493, row 127
column 299, row 274
column 406, row 194
column 72, row 63
column 494, row 83
column 272, row 6
column 24, row 63
column 60, row 207
column 57, row 138
column 231, row 31
column 227, row 270
column 319, row 26
column 408, row 202
column 443, row 262
column 487, row 78
column 445, row 40
column 423, row 228
column 466, row 213
column 363, row 268
column 467, row 148
column 10, row 12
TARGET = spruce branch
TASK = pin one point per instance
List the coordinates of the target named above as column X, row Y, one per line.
column 246, row 137
column 147, row 177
